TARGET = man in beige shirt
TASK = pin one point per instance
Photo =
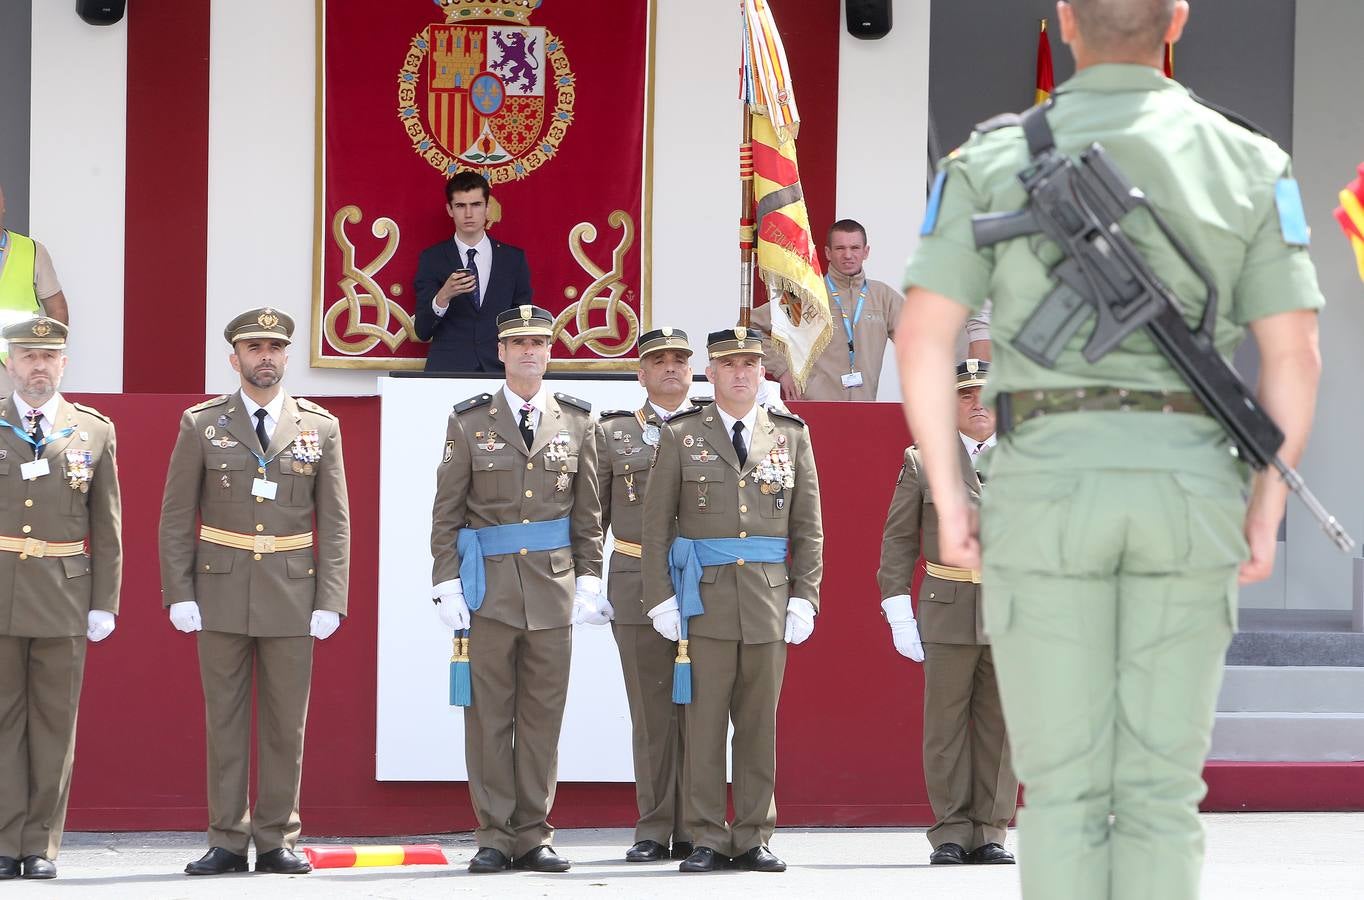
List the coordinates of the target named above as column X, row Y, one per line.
column 30, row 285
column 864, row 313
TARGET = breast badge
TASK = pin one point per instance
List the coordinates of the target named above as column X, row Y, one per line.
column 557, row 450
column 307, row 452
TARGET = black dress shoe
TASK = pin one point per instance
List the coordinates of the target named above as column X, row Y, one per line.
column 682, row 849
column 646, row 851
column 282, row 861
column 703, row 859
column 948, row 855
column 542, row 859
column 759, row 859
column 992, row 855
column 9, row 868
column 216, row 861
column 488, row 860
column 39, row 867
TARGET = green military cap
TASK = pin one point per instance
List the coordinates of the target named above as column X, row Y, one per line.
column 256, row 324
column 734, row 340
column 971, row 373
column 525, row 320
column 663, row 339
column 39, row 332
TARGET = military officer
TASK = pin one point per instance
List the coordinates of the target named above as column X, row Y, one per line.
column 523, row 459
column 61, row 563
column 1114, row 526
column 255, row 556
column 626, row 440
column 971, row 784
column 733, row 492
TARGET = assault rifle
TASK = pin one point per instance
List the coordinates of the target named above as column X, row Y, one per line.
column 1102, row 275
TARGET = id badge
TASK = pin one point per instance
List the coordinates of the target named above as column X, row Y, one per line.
column 263, row 488
column 34, row 470
column 852, row 380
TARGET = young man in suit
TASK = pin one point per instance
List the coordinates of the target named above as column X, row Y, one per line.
column 465, row 283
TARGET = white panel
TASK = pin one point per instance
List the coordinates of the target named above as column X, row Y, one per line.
column 260, row 182
column 882, row 145
column 414, row 714
column 78, row 152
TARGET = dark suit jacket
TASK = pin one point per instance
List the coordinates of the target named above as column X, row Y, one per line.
column 465, row 338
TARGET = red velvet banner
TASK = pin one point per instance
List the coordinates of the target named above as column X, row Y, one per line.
column 547, row 99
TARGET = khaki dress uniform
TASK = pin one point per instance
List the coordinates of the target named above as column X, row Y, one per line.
column 699, row 490
column 971, row 784
column 61, row 556
column 1112, row 530
column 258, row 568
column 624, row 457
column 521, row 638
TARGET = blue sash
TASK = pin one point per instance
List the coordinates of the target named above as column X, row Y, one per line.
column 688, row 557
column 475, row 544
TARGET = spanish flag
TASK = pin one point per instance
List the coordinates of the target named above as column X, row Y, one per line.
column 787, row 255
column 1350, row 215
column 1046, row 80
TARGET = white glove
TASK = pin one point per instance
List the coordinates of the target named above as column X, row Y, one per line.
column 450, row 605
column 589, row 606
column 99, row 625
column 185, row 616
column 324, row 624
column 667, row 620
column 800, row 620
column 903, row 629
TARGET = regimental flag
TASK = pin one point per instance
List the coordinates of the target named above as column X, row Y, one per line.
column 787, row 256
column 1350, row 215
column 1046, row 79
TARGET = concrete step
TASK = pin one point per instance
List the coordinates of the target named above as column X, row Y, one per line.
column 1288, row 737
column 1292, row 689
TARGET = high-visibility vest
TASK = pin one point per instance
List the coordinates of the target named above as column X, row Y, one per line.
column 17, row 292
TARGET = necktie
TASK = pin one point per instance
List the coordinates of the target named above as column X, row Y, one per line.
column 35, row 429
column 527, row 432
column 979, row 446
column 478, row 299
column 260, row 430
column 739, row 447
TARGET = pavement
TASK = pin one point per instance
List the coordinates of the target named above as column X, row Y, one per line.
column 1285, row 856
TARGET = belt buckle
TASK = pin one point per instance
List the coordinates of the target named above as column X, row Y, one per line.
column 35, row 548
column 264, row 543
column 975, row 576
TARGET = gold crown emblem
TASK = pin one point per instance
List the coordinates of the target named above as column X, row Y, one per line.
column 41, row 328
column 267, row 319
column 515, row 12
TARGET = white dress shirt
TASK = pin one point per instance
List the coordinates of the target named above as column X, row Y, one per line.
column 750, row 421
column 975, row 448
column 540, row 402
column 664, row 414
column 273, row 410
column 483, row 263
column 47, row 420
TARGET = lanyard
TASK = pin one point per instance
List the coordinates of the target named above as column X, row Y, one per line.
column 857, row 316
column 38, row 445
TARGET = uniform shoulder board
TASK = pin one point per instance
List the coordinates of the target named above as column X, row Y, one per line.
column 91, row 411
column 312, row 407
column 221, row 398
column 474, row 403
column 701, row 401
column 784, row 414
column 1003, row 120
column 615, row 414
column 574, row 402
column 1231, row 116
column 689, row 411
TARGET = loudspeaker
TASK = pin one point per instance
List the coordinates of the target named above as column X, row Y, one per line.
column 868, row 19
column 101, row 12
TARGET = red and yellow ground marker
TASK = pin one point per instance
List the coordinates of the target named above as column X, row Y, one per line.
column 355, row 857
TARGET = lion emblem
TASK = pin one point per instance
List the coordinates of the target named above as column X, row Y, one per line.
column 518, row 59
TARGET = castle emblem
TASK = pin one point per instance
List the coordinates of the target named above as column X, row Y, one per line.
column 486, row 90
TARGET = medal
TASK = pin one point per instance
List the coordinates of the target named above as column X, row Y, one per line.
column 651, row 434
column 210, row 432
column 561, row 483
column 630, row 495
column 701, row 496
column 308, row 469
column 688, row 441
column 297, row 467
column 226, row 482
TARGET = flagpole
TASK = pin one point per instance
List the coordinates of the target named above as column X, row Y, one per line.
column 747, row 225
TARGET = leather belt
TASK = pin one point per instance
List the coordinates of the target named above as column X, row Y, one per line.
column 953, row 573
column 27, row 547
column 256, row 543
column 1015, row 407
column 629, row 548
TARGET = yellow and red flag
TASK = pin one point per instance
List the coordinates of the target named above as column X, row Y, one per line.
column 1350, row 215
column 788, row 261
column 1046, row 79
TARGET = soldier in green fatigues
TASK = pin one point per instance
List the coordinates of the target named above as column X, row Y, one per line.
column 1115, row 524
column 626, row 441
